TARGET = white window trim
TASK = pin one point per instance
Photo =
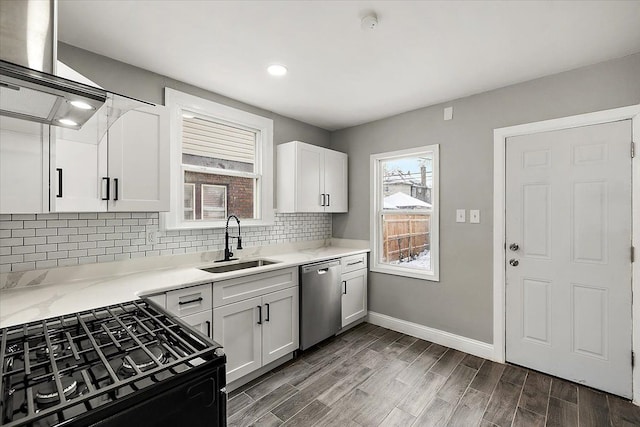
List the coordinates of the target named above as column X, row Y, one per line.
column 178, row 101
column 202, row 209
column 375, row 224
column 193, row 200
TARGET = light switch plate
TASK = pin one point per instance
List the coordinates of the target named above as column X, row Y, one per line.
column 474, row 216
column 461, row 215
column 448, row 114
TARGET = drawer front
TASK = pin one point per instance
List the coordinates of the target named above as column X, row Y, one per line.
column 195, row 299
column 160, row 299
column 354, row 262
column 241, row 288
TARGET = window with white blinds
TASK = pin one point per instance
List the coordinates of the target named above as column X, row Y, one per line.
column 222, row 161
column 207, row 138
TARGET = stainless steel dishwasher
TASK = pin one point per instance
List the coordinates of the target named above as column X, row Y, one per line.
column 320, row 302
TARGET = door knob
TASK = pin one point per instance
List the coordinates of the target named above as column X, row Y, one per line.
column 514, row 262
column 514, row 247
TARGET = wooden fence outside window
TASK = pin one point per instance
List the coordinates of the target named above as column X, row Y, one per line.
column 405, row 235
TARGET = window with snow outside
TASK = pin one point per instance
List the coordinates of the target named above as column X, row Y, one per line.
column 404, row 212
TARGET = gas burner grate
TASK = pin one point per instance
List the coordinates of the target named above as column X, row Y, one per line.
column 56, row 369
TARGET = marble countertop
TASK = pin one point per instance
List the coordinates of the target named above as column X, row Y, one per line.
column 25, row 303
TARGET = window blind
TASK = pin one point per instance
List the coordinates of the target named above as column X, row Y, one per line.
column 207, row 138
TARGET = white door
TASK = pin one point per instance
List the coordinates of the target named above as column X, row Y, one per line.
column 280, row 327
column 568, row 294
column 200, row 321
column 80, row 167
column 309, row 161
column 354, row 296
column 24, row 172
column 138, row 161
column 335, row 181
column 236, row 328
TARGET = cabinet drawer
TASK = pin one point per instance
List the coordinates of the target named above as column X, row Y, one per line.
column 354, row 262
column 160, row 299
column 195, row 299
column 242, row 288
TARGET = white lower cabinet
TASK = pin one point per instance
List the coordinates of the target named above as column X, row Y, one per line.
column 236, row 328
column 354, row 288
column 200, row 321
column 258, row 330
column 354, row 296
column 280, row 326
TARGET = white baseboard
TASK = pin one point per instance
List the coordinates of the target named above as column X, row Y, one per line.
column 447, row 339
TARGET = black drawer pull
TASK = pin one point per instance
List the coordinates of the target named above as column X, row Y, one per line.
column 259, row 315
column 345, row 287
column 355, row 263
column 267, row 318
column 208, row 328
column 190, row 301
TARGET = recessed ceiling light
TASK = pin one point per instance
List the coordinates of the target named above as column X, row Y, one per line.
column 277, row 70
column 68, row 122
column 81, row 105
column 187, row 116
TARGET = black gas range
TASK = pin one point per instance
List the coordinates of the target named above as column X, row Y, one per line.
column 128, row 364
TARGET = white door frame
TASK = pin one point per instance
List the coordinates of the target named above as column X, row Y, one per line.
column 499, row 252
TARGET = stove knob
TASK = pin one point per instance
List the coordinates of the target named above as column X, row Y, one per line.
column 219, row 352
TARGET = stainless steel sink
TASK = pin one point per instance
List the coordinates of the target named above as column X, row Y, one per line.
column 238, row 266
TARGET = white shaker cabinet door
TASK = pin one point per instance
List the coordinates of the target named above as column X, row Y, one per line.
column 139, row 161
column 309, row 180
column 354, row 296
column 79, row 169
column 335, row 181
column 200, row 321
column 236, row 328
column 280, row 326
column 24, row 159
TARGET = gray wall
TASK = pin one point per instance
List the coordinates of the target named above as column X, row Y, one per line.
column 136, row 82
column 461, row 303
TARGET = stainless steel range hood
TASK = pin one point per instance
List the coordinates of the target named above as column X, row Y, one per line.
column 29, row 88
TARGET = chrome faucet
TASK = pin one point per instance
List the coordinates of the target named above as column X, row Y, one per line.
column 227, row 252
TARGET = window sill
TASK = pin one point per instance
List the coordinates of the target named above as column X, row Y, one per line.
column 431, row 277
column 210, row 225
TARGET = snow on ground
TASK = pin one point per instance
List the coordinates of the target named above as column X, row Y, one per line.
column 423, row 260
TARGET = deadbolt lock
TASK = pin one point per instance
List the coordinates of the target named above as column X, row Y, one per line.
column 514, row 247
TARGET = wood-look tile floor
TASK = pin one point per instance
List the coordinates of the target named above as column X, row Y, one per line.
column 371, row 376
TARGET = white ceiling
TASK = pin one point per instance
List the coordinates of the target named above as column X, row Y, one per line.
column 421, row 53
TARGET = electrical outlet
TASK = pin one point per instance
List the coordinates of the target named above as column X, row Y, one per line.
column 461, row 215
column 152, row 236
column 474, row 216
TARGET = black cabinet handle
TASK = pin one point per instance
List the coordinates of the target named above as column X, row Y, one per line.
column 59, row 170
column 208, row 328
column 267, row 318
column 259, row 315
column 108, row 187
column 345, row 287
column 328, row 199
column 323, row 200
column 190, row 301
column 115, row 185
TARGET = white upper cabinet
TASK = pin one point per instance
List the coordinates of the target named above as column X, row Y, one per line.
column 311, row 178
column 24, row 166
column 127, row 171
column 139, row 161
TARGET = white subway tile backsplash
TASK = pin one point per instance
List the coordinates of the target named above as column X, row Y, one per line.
column 39, row 241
